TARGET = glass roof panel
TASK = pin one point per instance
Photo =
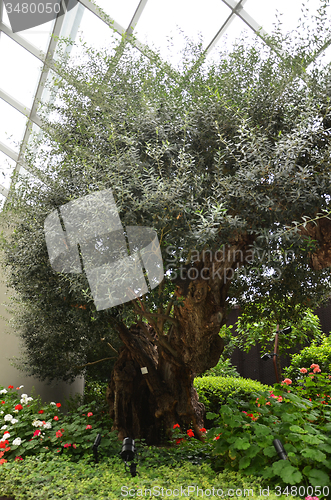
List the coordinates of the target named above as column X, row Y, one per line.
column 20, row 71
column 234, row 31
column 161, row 20
column 122, row 12
column 39, row 36
column 7, row 166
column 89, row 26
column 12, row 125
column 265, row 12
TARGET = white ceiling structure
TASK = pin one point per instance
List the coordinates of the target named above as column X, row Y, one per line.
column 23, row 54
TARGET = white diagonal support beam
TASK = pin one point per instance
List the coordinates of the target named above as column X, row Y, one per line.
column 19, row 107
column 4, row 191
column 22, row 42
column 136, row 17
column 8, row 151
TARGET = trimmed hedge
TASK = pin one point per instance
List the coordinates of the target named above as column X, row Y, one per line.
column 319, row 354
column 214, row 391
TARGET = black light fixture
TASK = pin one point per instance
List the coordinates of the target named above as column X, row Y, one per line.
column 280, row 449
column 267, row 356
column 128, row 453
column 95, row 447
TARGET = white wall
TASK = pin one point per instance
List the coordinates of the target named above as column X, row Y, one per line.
column 9, row 375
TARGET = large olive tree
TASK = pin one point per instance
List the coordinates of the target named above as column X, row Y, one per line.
column 228, row 162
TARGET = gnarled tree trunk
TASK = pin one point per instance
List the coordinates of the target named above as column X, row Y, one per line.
column 147, row 405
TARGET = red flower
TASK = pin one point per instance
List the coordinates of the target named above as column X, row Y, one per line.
column 56, row 418
column 2, row 402
column 89, row 414
column 58, row 405
column 3, row 444
column 10, row 387
column 41, row 411
column 36, row 433
column 18, row 458
column 17, row 388
column 203, row 429
column 176, row 425
column 74, row 446
column 67, row 445
column 179, row 440
column 58, row 434
column 88, row 427
column 190, row 433
column 18, row 407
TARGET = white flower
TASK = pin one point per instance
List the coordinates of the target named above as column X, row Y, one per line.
column 37, row 423
column 5, row 436
column 4, row 427
column 21, row 386
column 3, row 391
column 23, row 396
column 1, row 412
column 8, row 418
column 14, row 421
column 48, row 425
column 17, row 441
column 52, row 403
column 15, row 411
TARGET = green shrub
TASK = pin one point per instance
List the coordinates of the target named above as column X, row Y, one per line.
column 244, row 440
column 224, row 368
column 215, row 391
column 315, row 353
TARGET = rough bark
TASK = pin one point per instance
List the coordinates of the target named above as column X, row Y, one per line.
column 320, row 231
column 148, row 405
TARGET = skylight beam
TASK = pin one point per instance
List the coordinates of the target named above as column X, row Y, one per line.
column 22, row 42
column 8, row 151
column 136, row 16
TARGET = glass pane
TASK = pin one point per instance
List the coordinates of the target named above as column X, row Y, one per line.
column 7, row 166
column 122, row 12
column 38, row 36
column 265, row 12
column 235, row 30
column 95, row 33
column 12, row 126
column 162, row 20
column 20, row 71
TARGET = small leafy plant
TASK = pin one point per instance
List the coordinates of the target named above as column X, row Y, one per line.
column 30, row 427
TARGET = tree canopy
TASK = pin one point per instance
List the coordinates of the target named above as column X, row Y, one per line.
column 228, row 161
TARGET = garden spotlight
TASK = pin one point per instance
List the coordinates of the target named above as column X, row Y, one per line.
column 95, row 447
column 280, row 449
column 128, row 453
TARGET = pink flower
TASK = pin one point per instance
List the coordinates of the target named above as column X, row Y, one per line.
column 303, row 370
column 317, row 370
column 88, row 427
column 314, row 365
column 74, row 446
column 36, row 433
column 67, row 445
column 287, row 381
column 56, row 418
column 89, row 414
column 18, row 458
